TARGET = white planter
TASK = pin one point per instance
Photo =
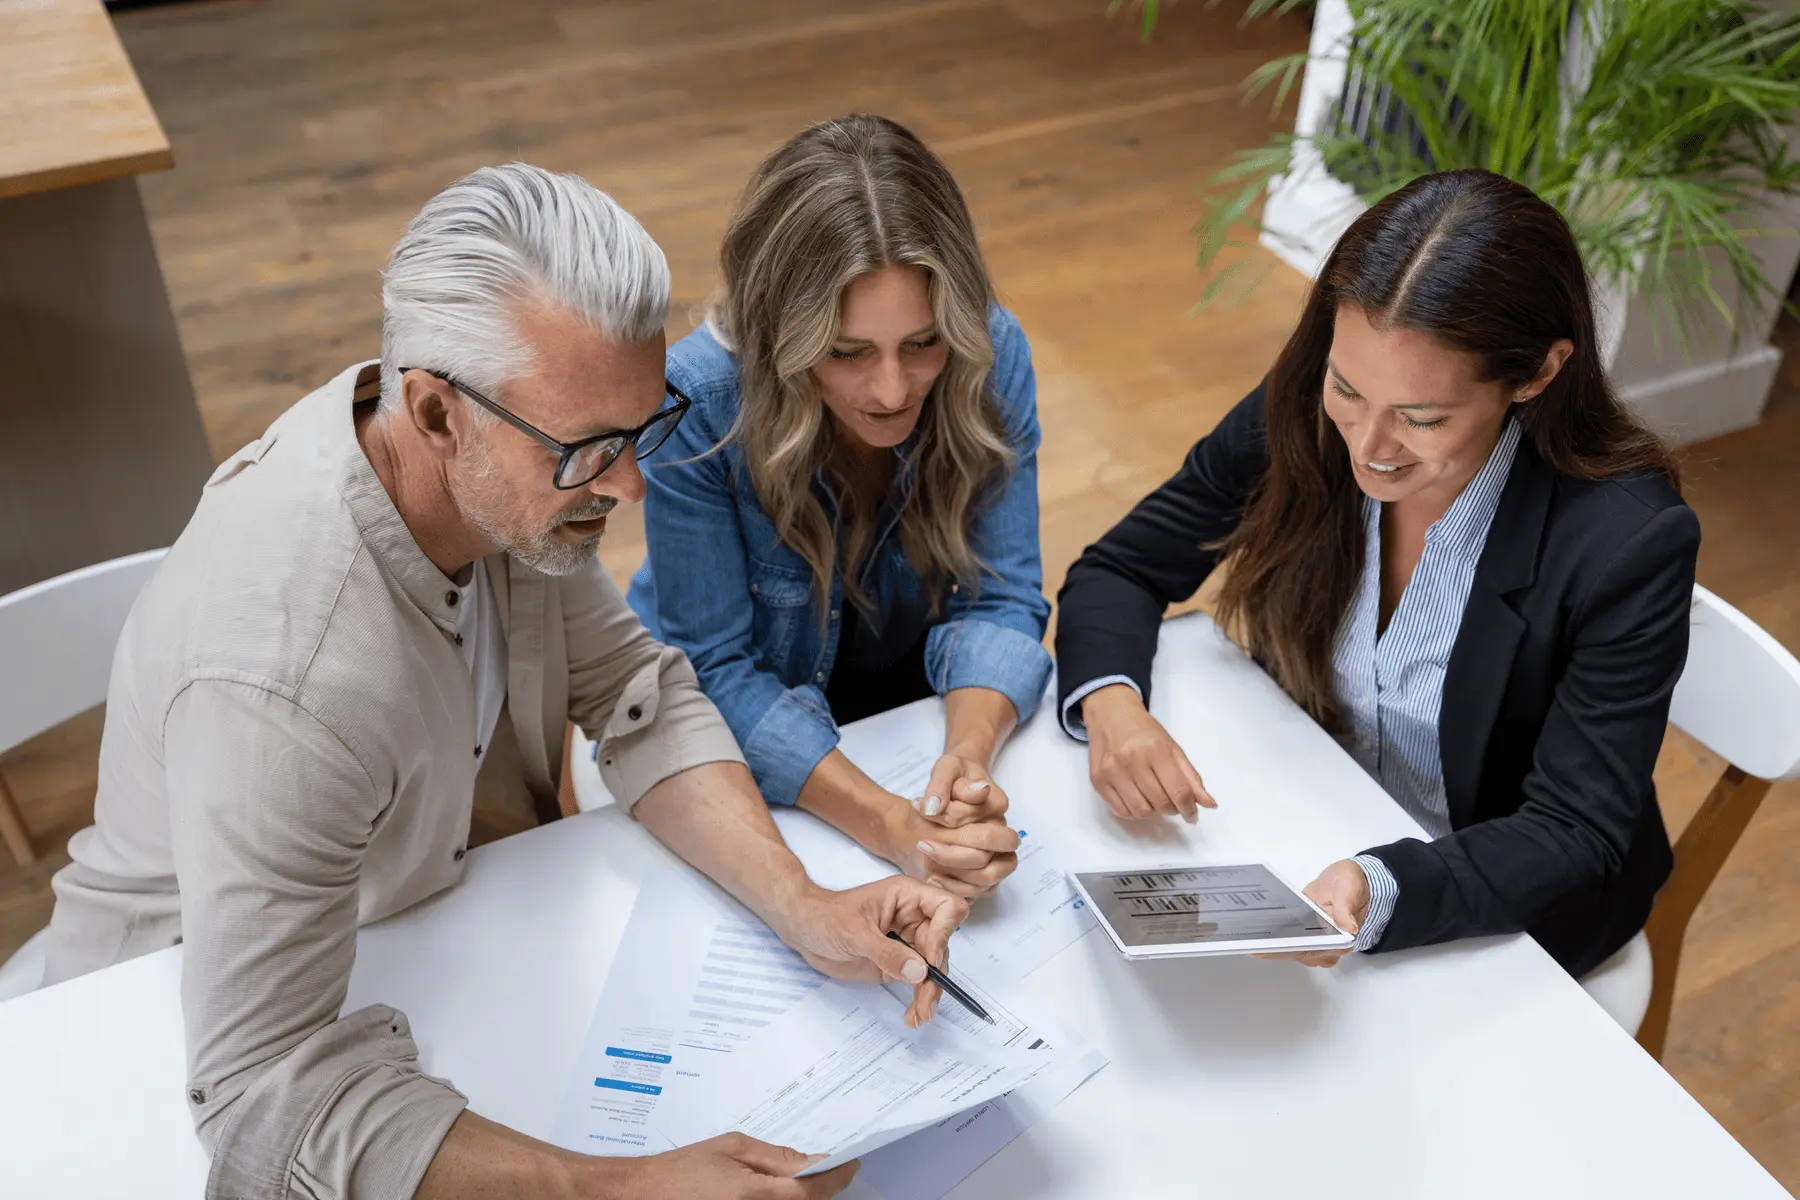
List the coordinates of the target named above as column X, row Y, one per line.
column 1686, row 398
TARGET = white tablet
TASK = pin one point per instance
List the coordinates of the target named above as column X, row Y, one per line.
column 1188, row 912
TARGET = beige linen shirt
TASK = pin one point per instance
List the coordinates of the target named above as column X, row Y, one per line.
column 289, row 752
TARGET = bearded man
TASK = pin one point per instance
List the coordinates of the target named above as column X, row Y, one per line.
column 305, row 693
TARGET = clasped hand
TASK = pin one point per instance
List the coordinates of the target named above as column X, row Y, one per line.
column 955, row 836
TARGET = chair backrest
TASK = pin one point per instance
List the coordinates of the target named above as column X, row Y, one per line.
column 1739, row 695
column 57, row 640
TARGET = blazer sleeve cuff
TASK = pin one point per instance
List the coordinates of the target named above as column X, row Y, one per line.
column 975, row 653
column 788, row 743
column 346, row 1113
column 1417, row 870
column 1072, row 723
column 1384, row 890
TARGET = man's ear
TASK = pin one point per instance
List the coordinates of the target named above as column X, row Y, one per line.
column 425, row 404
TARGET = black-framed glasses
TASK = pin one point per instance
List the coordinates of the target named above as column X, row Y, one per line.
column 580, row 463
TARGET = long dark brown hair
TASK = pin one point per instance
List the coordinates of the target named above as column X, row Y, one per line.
column 1483, row 265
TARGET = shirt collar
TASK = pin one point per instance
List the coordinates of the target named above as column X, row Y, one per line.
column 1463, row 529
column 371, row 508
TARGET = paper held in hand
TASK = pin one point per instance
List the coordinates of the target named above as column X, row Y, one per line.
column 840, row 1074
column 708, row 1023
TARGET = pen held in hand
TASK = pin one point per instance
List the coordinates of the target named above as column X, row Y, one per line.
column 943, row 981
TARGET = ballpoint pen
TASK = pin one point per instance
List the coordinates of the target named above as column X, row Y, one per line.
column 943, row 981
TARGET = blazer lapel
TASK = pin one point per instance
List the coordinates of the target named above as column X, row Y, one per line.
column 1481, row 660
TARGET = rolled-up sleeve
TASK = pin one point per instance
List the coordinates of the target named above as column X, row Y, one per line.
column 994, row 633
column 638, row 699
column 793, row 735
column 271, row 815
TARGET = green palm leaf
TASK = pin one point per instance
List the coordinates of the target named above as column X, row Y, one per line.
column 1658, row 127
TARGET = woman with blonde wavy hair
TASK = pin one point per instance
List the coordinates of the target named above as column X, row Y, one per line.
column 848, row 520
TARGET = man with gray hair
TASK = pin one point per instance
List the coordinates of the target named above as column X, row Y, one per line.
column 305, row 693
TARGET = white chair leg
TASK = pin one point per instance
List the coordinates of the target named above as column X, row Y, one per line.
column 24, row 971
column 1621, row 984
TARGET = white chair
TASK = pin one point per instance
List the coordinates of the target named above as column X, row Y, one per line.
column 1739, row 696
column 56, row 641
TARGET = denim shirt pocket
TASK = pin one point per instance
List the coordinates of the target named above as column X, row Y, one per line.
column 783, row 626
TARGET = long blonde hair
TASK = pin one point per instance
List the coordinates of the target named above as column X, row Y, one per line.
column 840, row 199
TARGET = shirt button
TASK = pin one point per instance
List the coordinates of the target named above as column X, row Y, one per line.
column 634, row 713
column 458, row 856
column 459, row 639
column 196, row 1096
column 451, row 598
column 819, row 678
column 753, row 589
column 478, row 752
column 834, row 614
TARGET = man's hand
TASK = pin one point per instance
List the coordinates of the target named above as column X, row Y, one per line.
column 956, row 835
column 481, row 1160
column 1342, row 890
column 1133, row 762
column 844, row 934
column 729, row 1167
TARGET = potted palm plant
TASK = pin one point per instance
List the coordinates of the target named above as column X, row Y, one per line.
column 1662, row 130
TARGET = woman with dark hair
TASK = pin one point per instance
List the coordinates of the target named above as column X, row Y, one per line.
column 1451, row 545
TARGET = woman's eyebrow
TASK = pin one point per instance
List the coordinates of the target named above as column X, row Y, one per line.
column 847, row 340
column 1351, row 388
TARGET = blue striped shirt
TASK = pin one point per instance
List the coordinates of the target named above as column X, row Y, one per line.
column 1390, row 685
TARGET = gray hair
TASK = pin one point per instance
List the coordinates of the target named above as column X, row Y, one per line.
column 499, row 236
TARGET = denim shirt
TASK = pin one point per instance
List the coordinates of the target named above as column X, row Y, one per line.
column 718, row 584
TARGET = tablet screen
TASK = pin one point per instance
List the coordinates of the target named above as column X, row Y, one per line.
column 1180, row 906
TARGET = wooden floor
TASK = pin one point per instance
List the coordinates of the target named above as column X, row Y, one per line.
column 306, row 134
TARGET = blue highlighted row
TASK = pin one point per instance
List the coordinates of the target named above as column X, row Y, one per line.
column 625, row 1085
column 639, row 1055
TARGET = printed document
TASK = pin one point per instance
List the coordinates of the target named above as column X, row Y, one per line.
column 699, row 982
column 840, row 1074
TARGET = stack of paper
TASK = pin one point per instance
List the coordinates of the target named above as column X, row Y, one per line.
column 709, row 1024
column 840, row 1074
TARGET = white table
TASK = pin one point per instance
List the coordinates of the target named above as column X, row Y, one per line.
column 1477, row 1070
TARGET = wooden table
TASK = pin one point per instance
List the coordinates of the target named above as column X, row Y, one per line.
column 1454, row 1073
column 102, row 452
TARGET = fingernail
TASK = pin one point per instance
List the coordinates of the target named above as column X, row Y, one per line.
column 925, row 849
column 915, row 805
column 935, row 882
column 978, row 786
column 1192, row 818
column 913, row 971
column 933, row 806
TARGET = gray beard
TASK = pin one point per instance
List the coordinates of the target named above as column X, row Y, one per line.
column 481, row 504
column 541, row 551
